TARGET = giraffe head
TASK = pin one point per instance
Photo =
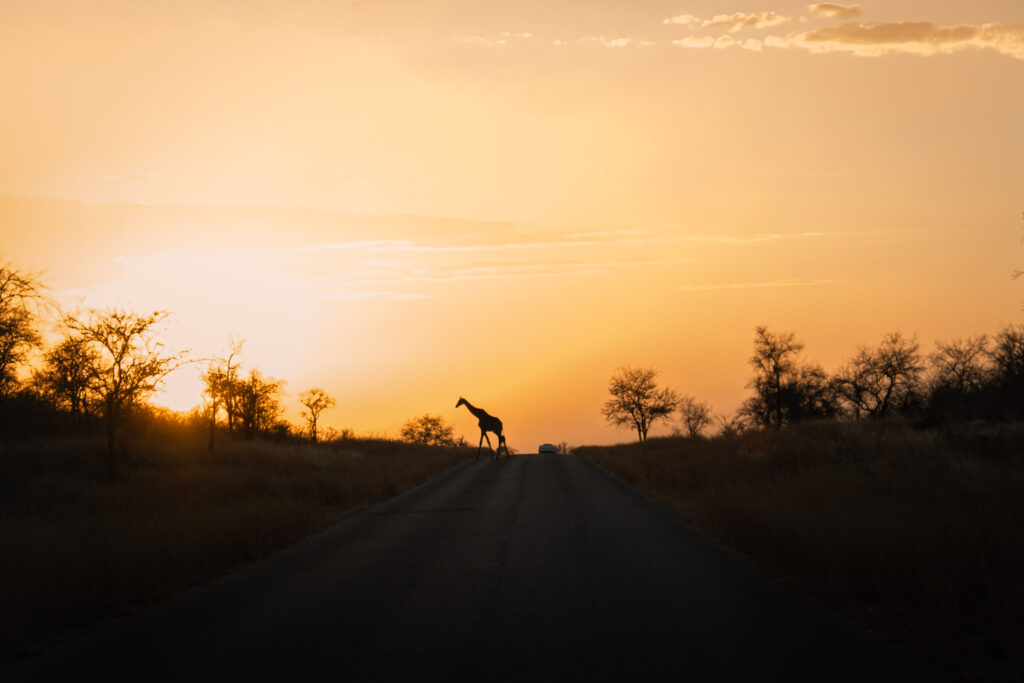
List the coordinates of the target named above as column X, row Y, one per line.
column 462, row 401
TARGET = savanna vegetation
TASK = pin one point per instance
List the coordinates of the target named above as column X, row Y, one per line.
column 107, row 502
column 81, row 545
column 893, row 487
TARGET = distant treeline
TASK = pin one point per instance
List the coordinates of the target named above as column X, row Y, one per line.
column 976, row 378
column 963, row 380
column 107, row 363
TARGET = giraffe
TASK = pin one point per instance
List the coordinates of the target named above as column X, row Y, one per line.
column 488, row 423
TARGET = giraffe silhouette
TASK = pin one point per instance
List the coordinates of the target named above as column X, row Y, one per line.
column 488, row 423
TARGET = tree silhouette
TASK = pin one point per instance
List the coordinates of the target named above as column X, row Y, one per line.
column 66, row 376
column 430, row 430
column 19, row 296
column 221, row 387
column 786, row 389
column 258, row 403
column 637, row 401
column 961, row 365
column 316, row 401
column 696, row 415
column 126, row 363
column 885, row 380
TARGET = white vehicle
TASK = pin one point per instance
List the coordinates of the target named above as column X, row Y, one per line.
column 547, row 448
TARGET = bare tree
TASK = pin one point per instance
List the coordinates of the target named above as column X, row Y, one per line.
column 729, row 425
column 1007, row 355
column 786, row 389
column 430, row 430
column 127, row 363
column 66, row 378
column 885, row 380
column 961, row 365
column 637, row 401
column 221, row 380
column 316, row 401
column 19, row 297
column 1007, row 387
column 696, row 415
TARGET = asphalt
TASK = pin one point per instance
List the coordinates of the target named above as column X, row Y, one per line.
column 530, row 568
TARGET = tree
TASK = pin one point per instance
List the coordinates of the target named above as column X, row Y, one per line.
column 696, row 415
column 126, row 363
column 1007, row 358
column 258, row 404
column 637, row 400
column 429, row 430
column 316, row 401
column 729, row 425
column 786, row 389
column 885, row 380
column 961, row 365
column 66, row 376
column 1007, row 355
column 19, row 297
column 222, row 387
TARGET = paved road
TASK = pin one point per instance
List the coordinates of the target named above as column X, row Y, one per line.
column 532, row 568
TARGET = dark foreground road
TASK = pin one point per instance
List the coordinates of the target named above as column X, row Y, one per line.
column 533, row 568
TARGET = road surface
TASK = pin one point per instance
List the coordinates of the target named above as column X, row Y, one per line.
column 531, row 568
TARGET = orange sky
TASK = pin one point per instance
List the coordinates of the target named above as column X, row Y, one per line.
column 614, row 182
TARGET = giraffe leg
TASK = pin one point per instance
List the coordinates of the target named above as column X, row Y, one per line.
column 489, row 446
column 480, row 445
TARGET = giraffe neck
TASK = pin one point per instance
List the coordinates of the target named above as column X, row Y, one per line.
column 476, row 411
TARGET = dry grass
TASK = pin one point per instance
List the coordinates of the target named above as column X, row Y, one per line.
column 918, row 534
column 80, row 545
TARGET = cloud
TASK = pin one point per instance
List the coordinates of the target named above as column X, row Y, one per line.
column 695, row 42
column 875, row 40
column 739, row 21
column 766, row 284
column 503, row 38
column 408, row 296
column 833, row 10
column 683, row 20
column 734, row 22
column 906, row 37
column 617, row 42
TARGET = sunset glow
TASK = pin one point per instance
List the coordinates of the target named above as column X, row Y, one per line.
column 404, row 202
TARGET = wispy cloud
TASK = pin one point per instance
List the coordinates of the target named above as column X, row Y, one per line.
column 407, row 296
column 695, row 42
column 765, row 284
column 739, row 21
column 734, row 22
column 624, row 237
column 861, row 39
column 485, row 271
column 496, row 40
column 834, row 10
column 617, row 42
column 906, row 37
column 683, row 20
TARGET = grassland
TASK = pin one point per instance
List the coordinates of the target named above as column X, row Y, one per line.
column 80, row 545
column 916, row 534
